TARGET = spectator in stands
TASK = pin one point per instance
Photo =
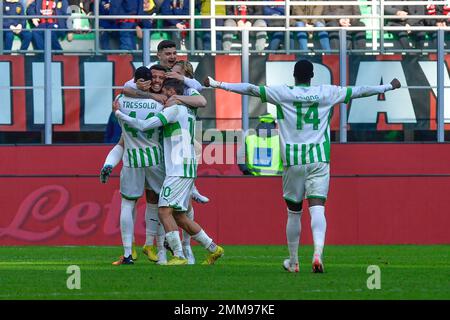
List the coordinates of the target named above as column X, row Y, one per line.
column 245, row 11
column 205, row 10
column 277, row 37
column 127, row 37
column 437, row 10
column 302, row 36
column 15, row 26
column 355, row 39
column 85, row 5
column 406, row 12
column 63, row 10
column 176, row 8
column 78, row 9
column 147, row 8
column 47, row 8
column 106, row 24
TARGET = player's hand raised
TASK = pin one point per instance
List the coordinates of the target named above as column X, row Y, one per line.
column 210, row 82
column 143, row 85
column 395, row 83
column 174, row 75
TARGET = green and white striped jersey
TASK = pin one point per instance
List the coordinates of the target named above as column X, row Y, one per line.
column 142, row 149
column 178, row 124
column 304, row 114
column 178, row 137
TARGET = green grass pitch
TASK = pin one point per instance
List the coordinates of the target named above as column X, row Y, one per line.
column 245, row 272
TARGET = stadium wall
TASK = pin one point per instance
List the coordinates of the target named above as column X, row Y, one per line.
column 379, row 194
column 75, row 109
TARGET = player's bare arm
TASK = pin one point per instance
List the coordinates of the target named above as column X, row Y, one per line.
column 196, row 101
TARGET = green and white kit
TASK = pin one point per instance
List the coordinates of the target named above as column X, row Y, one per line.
column 143, row 158
column 178, row 123
column 304, row 115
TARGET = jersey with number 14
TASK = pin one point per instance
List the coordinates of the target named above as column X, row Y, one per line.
column 304, row 114
column 142, row 149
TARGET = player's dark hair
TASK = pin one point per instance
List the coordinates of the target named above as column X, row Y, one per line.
column 174, row 84
column 158, row 67
column 166, row 44
column 142, row 73
column 303, row 71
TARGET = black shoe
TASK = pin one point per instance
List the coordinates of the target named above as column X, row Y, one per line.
column 124, row 260
column 105, row 172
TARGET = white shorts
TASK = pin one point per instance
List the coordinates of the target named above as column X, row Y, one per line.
column 134, row 180
column 176, row 193
column 306, row 181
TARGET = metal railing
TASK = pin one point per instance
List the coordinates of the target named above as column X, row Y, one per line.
column 245, row 45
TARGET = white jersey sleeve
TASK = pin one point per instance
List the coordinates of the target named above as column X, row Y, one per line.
column 169, row 115
column 190, row 92
column 193, row 83
column 273, row 94
column 336, row 94
column 130, row 84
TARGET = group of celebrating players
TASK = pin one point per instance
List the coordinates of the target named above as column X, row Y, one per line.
column 157, row 112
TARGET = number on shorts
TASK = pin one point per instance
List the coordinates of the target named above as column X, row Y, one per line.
column 167, row 191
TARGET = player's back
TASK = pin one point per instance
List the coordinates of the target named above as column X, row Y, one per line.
column 304, row 114
column 142, row 149
column 179, row 136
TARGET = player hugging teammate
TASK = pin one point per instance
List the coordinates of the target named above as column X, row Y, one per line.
column 143, row 162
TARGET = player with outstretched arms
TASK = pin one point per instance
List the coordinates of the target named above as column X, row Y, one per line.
column 178, row 122
column 304, row 113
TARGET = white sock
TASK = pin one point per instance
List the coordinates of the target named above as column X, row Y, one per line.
column 318, row 227
column 187, row 236
column 114, row 156
column 205, row 241
column 151, row 223
column 127, row 225
column 173, row 238
column 293, row 229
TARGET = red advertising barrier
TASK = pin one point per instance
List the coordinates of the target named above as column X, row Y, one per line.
column 379, row 194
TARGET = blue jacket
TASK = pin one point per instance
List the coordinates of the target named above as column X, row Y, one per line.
column 168, row 10
column 148, row 24
column 13, row 8
column 60, row 9
column 108, row 24
column 272, row 11
column 124, row 7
